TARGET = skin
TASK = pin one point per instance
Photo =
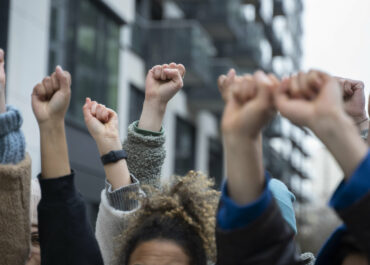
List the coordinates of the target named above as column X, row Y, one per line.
column 2, row 82
column 248, row 107
column 162, row 83
column 354, row 101
column 324, row 114
column 159, row 252
column 50, row 101
column 35, row 258
column 102, row 124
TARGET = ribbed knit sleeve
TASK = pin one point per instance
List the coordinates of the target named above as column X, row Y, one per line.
column 12, row 142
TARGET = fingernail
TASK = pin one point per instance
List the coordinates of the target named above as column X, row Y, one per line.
column 157, row 71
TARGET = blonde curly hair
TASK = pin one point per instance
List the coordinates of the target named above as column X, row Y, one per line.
column 183, row 210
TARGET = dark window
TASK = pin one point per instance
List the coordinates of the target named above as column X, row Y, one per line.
column 136, row 103
column 84, row 39
column 4, row 19
column 185, row 146
column 215, row 162
column 150, row 9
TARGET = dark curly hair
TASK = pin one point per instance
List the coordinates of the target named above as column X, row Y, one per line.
column 183, row 211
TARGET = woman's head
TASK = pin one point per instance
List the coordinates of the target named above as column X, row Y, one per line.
column 174, row 225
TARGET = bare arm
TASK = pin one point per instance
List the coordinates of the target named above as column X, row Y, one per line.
column 103, row 126
column 50, row 100
column 248, row 108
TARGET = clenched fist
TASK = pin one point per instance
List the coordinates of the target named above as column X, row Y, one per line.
column 50, row 99
column 102, row 124
column 163, row 82
column 249, row 103
column 354, row 98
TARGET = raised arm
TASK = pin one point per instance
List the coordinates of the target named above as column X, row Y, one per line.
column 65, row 233
column 145, row 140
column 354, row 103
column 247, row 209
column 145, row 150
column 324, row 113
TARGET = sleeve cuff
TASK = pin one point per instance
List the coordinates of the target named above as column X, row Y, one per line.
column 59, row 189
column 124, row 198
column 351, row 191
column 146, row 132
column 233, row 216
column 10, row 121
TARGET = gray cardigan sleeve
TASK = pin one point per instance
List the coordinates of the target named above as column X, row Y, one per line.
column 12, row 143
column 146, row 155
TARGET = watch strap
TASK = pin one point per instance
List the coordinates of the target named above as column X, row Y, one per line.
column 113, row 156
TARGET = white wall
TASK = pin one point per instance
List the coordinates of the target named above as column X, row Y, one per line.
column 27, row 64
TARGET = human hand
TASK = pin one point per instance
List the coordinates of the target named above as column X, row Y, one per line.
column 249, row 103
column 102, row 124
column 323, row 112
column 310, row 99
column 50, row 99
column 161, row 85
column 2, row 82
column 354, row 100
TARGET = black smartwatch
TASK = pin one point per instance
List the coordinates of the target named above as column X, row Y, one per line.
column 113, row 156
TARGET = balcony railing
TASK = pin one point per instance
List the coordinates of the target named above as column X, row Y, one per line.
column 180, row 41
column 222, row 19
column 208, row 97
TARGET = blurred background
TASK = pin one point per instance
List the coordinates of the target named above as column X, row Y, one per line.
column 108, row 46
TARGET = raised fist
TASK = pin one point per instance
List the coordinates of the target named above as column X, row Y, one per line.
column 310, row 99
column 354, row 98
column 249, row 103
column 102, row 124
column 50, row 99
column 163, row 82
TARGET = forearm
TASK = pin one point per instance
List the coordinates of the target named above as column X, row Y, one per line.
column 341, row 138
column 117, row 173
column 244, row 168
column 54, row 151
column 152, row 116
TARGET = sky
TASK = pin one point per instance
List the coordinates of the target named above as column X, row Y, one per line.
column 337, row 37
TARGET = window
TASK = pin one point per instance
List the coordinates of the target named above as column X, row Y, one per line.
column 215, row 162
column 84, row 39
column 4, row 19
column 136, row 103
column 185, row 147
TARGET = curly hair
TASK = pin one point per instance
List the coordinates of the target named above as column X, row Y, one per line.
column 183, row 211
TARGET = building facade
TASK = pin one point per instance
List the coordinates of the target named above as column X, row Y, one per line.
column 108, row 46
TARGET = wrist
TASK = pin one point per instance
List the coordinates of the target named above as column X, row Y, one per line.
column 51, row 127
column 152, row 115
column 105, row 145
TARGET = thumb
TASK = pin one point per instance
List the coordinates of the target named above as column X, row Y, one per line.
column 86, row 109
column 175, row 76
column 265, row 86
column 64, row 78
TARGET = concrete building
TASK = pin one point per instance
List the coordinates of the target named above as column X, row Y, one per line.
column 108, row 45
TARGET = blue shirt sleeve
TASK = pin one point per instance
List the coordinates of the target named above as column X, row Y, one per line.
column 349, row 192
column 233, row 216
